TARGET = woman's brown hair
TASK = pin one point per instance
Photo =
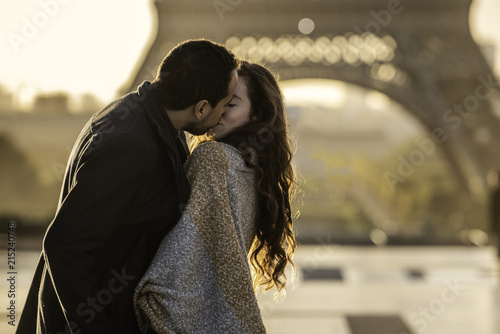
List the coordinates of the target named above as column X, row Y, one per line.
column 265, row 145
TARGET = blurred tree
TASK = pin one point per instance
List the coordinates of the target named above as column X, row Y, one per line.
column 18, row 178
column 89, row 104
column 6, row 105
column 52, row 103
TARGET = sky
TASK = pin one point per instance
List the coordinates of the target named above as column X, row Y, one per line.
column 86, row 46
column 93, row 46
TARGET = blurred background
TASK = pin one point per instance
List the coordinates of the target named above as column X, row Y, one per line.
column 394, row 108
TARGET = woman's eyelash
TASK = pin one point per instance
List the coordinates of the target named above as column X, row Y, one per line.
column 231, row 105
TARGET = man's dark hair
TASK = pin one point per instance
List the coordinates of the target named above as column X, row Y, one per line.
column 192, row 71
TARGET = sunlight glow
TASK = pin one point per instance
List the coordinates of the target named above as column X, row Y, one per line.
column 78, row 47
column 377, row 100
column 305, row 92
column 483, row 23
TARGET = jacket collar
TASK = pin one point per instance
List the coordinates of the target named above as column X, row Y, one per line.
column 174, row 140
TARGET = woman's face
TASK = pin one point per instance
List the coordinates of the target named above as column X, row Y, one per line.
column 237, row 114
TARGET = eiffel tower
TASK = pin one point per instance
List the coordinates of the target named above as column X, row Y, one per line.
column 418, row 52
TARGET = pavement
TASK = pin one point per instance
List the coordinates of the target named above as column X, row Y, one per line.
column 389, row 290
column 358, row 290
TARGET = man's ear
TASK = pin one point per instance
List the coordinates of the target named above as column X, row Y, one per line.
column 202, row 109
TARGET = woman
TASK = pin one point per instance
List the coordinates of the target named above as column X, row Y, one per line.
column 242, row 180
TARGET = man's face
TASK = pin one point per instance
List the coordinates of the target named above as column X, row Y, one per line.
column 238, row 113
column 216, row 113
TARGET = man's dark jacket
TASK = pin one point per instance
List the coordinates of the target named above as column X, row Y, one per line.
column 123, row 190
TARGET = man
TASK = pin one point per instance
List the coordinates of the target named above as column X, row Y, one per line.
column 124, row 189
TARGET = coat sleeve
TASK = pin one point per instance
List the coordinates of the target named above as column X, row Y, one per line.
column 199, row 281
column 102, row 190
column 208, row 172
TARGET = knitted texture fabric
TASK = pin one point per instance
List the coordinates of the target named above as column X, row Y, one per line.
column 199, row 280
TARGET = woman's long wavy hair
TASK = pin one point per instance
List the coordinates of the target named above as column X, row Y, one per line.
column 265, row 145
